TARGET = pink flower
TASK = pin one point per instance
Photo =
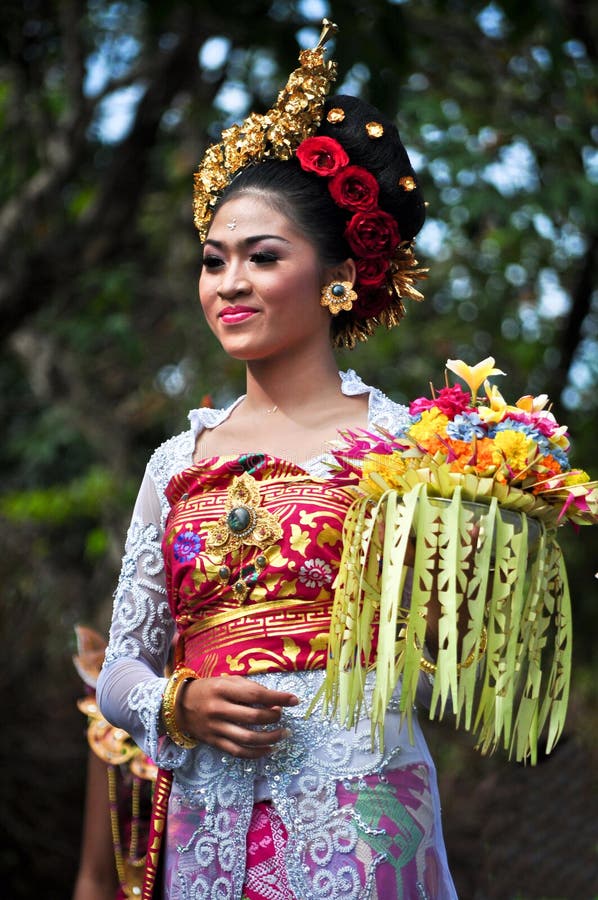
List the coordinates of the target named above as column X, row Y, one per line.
column 453, row 400
column 449, row 400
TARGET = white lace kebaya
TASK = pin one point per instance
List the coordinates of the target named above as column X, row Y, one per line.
column 334, row 848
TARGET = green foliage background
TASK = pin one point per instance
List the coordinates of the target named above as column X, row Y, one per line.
column 104, row 349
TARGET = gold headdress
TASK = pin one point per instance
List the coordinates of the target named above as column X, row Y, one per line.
column 275, row 135
column 302, row 124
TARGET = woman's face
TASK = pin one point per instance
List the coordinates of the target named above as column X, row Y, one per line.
column 260, row 281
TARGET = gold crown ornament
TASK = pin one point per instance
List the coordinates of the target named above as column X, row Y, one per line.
column 274, row 135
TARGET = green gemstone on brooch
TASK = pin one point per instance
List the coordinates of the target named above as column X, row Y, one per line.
column 238, row 519
column 261, row 562
column 224, row 573
column 241, row 590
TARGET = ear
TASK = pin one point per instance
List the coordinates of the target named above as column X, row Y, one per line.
column 344, row 271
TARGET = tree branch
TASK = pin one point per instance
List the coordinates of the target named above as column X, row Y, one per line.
column 580, row 307
column 36, row 271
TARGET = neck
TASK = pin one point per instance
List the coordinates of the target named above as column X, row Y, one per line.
column 293, row 383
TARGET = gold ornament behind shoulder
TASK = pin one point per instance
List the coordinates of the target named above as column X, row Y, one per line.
column 275, row 135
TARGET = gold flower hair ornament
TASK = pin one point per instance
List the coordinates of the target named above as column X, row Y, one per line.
column 274, row 135
column 403, row 274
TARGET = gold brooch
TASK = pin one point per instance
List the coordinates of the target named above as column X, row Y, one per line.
column 244, row 523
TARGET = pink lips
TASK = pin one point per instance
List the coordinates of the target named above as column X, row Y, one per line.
column 231, row 315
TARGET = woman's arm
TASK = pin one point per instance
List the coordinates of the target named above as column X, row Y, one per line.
column 131, row 683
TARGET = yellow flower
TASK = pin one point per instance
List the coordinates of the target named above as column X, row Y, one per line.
column 515, row 447
column 473, row 376
column 389, row 466
column 559, row 438
column 531, row 404
column 578, row 476
column 498, row 407
column 432, row 423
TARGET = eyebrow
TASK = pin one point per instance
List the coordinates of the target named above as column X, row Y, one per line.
column 249, row 241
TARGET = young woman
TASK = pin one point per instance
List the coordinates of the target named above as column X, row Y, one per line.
column 236, row 536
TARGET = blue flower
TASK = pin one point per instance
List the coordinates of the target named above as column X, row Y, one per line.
column 525, row 428
column 464, row 426
column 186, row 546
column 560, row 456
column 410, row 420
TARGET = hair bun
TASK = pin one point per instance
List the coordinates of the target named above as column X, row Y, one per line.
column 372, row 141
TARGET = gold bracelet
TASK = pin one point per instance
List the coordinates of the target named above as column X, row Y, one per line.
column 169, row 698
column 430, row 667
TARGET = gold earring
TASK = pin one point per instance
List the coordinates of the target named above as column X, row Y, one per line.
column 338, row 295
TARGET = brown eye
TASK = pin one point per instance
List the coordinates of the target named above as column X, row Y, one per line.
column 211, row 262
column 264, row 256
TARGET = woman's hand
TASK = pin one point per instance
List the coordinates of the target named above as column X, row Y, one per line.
column 223, row 712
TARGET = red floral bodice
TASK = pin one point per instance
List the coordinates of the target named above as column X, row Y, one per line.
column 252, row 547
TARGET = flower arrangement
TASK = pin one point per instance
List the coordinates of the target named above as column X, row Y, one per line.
column 516, row 453
column 454, row 526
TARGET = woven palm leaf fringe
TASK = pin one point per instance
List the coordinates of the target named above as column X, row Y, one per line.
column 493, row 576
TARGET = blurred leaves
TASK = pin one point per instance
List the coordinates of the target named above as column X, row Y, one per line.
column 105, row 109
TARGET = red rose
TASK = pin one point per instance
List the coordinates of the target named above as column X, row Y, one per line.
column 371, row 272
column 371, row 302
column 354, row 188
column 372, row 234
column 322, row 155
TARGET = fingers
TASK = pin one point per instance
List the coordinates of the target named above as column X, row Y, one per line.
column 248, row 715
column 241, row 690
column 234, row 714
column 247, row 743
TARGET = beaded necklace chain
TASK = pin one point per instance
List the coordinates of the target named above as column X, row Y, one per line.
column 129, row 871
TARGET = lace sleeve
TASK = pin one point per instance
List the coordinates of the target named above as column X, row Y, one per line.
column 131, row 683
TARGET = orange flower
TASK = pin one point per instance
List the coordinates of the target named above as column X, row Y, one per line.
column 434, row 445
column 550, row 465
column 485, row 457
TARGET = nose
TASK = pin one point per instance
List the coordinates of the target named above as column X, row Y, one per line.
column 232, row 284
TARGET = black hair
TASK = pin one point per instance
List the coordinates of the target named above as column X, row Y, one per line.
column 383, row 155
column 371, row 141
column 304, row 197
column 300, row 196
